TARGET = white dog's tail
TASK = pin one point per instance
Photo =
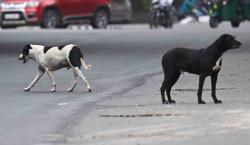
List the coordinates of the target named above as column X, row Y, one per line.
column 85, row 65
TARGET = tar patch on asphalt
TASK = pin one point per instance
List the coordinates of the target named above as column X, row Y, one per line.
column 143, row 115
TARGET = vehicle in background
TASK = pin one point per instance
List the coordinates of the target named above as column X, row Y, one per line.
column 121, row 11
column 234, row 11
column 161, row 16
column 55, row 13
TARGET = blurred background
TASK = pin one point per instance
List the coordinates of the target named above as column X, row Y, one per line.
column 100, row 13
column 124, row 41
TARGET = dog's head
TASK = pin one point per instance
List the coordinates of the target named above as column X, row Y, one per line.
column 228, row 41
column 24, row 56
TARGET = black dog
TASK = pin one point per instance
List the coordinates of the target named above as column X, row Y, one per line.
column 203, row 62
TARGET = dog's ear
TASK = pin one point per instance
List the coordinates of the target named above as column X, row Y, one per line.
column 25, row 50
column 28, row 46
column 226, row 38
column 224, row 42
column 222, row 38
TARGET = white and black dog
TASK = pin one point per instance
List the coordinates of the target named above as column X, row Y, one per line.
column 53, row 58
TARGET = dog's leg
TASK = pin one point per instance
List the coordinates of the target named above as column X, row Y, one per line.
column 163, row 89
column 35, row 80
column 79, row 73
column 213, row 82
column 52, row 80
column 74, row 84
column 171, row 80
column 199, row 94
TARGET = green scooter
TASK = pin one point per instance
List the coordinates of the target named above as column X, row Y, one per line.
column 224, row 10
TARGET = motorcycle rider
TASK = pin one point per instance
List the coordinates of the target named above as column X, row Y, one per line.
column 165, row 6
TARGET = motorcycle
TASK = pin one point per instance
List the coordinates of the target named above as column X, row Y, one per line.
column 213, row 13
column 161, row 16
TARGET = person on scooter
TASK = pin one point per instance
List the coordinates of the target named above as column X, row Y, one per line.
column 166, row 7
column 165, row 4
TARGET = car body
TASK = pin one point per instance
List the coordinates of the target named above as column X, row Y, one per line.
column 55, row 13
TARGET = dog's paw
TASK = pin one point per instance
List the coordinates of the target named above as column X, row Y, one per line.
column 165, row 102
column 53, row 90
column 26, row 89
column 171, row 102
column 218, row 102
column 201, row 102
column 70, row 90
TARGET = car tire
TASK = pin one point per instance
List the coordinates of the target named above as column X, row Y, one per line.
column 64, row 26
column 51, row 19
column 214, row 22
column 100, row 19
column 8, row 27
column 235, row 24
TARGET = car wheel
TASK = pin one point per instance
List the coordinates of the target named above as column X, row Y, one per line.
column 51, row 19
column 63, row 26
column 213, row 22
column 100, row 19
column 235, row 24
column 8, row 27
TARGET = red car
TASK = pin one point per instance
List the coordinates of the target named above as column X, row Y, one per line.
column 54, row 13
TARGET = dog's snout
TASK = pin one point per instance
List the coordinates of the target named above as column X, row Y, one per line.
column 237, row 44
column 20, row 57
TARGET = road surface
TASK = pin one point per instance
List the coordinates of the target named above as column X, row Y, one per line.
column 125, row 105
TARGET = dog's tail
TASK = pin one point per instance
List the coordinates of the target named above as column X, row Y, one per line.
column 86, row 66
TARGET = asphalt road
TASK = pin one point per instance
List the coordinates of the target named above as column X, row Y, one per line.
column 124, row 107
